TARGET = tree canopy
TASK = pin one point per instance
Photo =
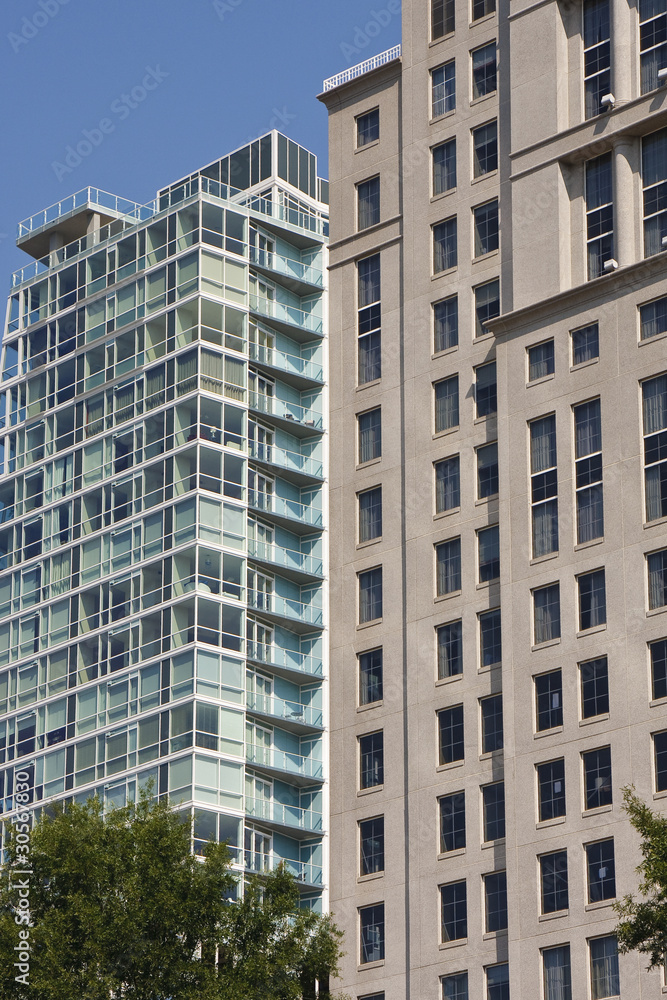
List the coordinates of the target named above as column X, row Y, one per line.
column 643, row 925
column 117, row 906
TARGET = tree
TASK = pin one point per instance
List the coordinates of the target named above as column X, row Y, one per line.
column 643, row 926
column 119, row 907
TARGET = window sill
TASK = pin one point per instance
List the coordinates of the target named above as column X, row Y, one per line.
column 445, row 273
column 544, row 645
column 446, row 513
column 443, row 38
column 486, row 668
column 446, row 597
column 482, row 20
column 485, row 500
column 487, row 844
column 370, row 878
column 660, row 795
column 588, row 545
column 483, row 177
column 370, row 229
column 594, row 719
column 486, row 417
column 362, row 625
column 443, row 117
column 541, row 380
column 367, row 145
column 593, row 630
column 367, row 385
column 492, row 754
column 368, row 791
column 656, row 611
column 553, row 916
column 483, row 337
column 544, row 824
column 449, row 767
column 442, row 194
column 488, row 584
column 545, row 558
column 600, row 905
column 448, row 680
column 485, row 256
column 547, row 732
column 451, row 854
column 592, row 813
column 474, row 101
column 370, row 965
column 657, row 520
column 445, row 945
column 443, row 354
column 448, row 430
column 494, row 935
column 369, row 463
column 651, row 340
column 584, row 364
column 371, row 541
column 372, row 704
column 657, row 702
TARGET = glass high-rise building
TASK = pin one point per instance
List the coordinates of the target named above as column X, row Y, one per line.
column 162, row 507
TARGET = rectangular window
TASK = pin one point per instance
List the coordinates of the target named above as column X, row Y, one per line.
column 368, row 127
column 450, row 730
column 452, row 809
column 594, row 687
column 546, row 613
column 588, row 470
column 370, row 676
column 483, row 70
column 605, row 981
column 370, row 435
column 492, row 723
column 597, row 777
column 370, row 595
column 548, row 700
column 654, row 407
column 444, row 245
column 599, row 214
column 370, row 514
column 654, row 180
column 486, row 391
column 480, row 8
column 447, row 484
column 660, row 753
column 657, row 579
column 445, row 324
column 455, row 987
column 541, row 361
column 488, row 551
column 454, row 906
column 446, row 403
column 371, row 760
column 371, row 926
column 551, row 789
column 368, row 203
column 592, row 600
column 442, row 18
column 495, row 900
column 450, row 650
column 448, row 567
column 369, row 326
column 544, row 485
column 597, row 55
column 653, row 317
column 487, row 305
column 490, row 643
column 371, row 841
column 658, row 651
column 553, row 882
column 444, row 166
column 601, row 871
column 485, row 149
column 557, row 974
column 585, row 344
column 498, row 982
column 485, row 219
column 652, row 42
column 487, row 470
column 443, row 89
column 493, row 808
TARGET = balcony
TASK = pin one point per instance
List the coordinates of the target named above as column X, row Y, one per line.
column 299, row 469
column 294, row 818
column 295, row 323
column 360, row 69
column 293, row 565
column 285, row 662
column 293, row 715
column 268, row 760
column 300, row 278
column 299, row 617
column 298, row 420
column 293, row 369
column 306, row 228
column 298, row 517
column 304, row 872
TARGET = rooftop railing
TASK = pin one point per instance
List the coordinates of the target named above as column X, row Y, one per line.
column 361, row 68
column 86, row 196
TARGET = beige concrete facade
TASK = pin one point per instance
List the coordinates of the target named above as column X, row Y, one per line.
column 544, row 144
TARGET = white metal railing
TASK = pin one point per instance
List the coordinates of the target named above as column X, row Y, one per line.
column 87, row 196
column 361, row 68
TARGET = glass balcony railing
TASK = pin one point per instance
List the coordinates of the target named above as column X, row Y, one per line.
column 270, row 503
column 287, row 267
column 291, row 364
column 280, row 760
column 290, row 315
column 285, row 607
column 290, row 461
column 303, row 871
column 287, row 411
column 290, row 711
column 285, row 213
column 295, row 817
column 288, row 659
column 277, row 555
column 86, row 196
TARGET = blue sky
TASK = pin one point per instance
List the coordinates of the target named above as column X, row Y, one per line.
column 175, row 82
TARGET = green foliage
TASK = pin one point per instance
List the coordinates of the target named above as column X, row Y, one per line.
column 119, row 907
column 643, row 926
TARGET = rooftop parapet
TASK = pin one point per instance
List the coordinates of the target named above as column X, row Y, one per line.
column 361, row 68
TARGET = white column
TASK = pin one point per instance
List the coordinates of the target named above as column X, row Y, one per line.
column 622, row 42
column 624, row 202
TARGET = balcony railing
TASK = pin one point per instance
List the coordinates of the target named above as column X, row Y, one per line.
column 86, row 196
column 303, row 871
column 277, row 555
column 286, row 314
column 280, row 760
column 290, row 461
column 277, row 812
column 287, row 266
column 288, row 659
column 288, row 363
column 285, row 607
column 270, row 503
column 289, row 711
column 361, row 68
column 287, row 411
